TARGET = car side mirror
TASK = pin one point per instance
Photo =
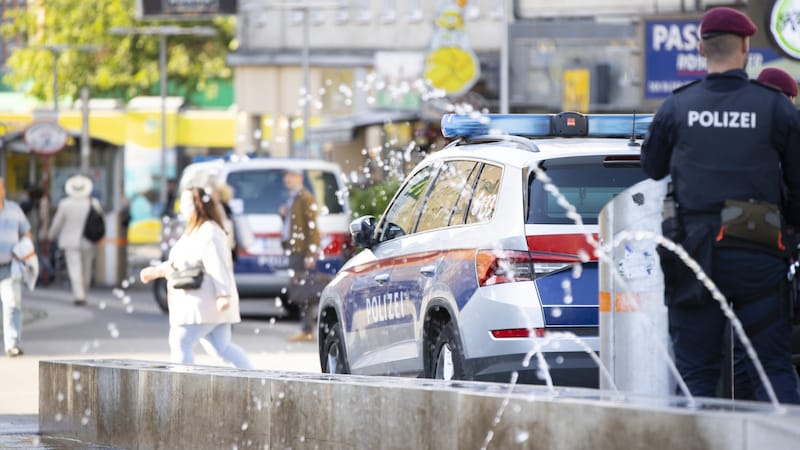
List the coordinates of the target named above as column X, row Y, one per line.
column 362, row 231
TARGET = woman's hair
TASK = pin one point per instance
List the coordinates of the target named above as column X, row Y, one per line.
column 205, row 209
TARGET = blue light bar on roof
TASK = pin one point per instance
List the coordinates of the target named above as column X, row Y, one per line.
column 546, row 125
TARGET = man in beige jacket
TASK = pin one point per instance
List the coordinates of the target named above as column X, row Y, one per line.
column 67, row 228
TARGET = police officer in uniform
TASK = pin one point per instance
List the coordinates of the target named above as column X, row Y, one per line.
column 727, row 137
column 780, row 79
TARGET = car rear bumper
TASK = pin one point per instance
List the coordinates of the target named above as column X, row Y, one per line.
column 576, row 369
column 262, row 284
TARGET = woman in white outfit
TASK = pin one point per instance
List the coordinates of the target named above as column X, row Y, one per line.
column 204, row 314
column 67, row 228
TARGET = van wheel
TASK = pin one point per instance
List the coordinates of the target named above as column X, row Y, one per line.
column 333, row 356
column 160, row 294
column 447, row 357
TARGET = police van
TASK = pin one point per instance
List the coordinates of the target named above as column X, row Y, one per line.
column 481, row 265
column 261, row 266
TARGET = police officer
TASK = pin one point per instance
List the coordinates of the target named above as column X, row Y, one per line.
column 726, row 137
column 780, row 79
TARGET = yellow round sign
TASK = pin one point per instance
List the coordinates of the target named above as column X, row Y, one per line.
column 452, row 69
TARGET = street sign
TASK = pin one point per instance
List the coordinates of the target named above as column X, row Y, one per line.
column 45, row 137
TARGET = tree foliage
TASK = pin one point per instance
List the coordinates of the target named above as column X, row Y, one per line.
column 122, row 66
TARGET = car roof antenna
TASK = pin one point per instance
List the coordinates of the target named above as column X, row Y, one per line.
column 632, row 141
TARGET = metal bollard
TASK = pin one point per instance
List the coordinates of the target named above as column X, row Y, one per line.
column 634, row 338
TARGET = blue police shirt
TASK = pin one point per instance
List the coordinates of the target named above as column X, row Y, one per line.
column 726, row 137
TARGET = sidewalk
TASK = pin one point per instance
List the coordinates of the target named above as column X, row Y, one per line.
column 50, row 319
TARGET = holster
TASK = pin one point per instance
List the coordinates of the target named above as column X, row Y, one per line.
column 681, row 286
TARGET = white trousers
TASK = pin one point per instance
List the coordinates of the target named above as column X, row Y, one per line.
column 79, row 267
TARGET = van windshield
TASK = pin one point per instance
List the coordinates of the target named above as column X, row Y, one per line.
column 587, row 183
column 262, row 191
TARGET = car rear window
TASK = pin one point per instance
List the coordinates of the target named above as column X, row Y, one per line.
column 263, row 192
column 587, row 183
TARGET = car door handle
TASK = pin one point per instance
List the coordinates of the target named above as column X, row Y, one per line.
column 428, row 271
column 382, row 278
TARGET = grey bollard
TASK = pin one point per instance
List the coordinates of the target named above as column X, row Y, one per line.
column 634, row 340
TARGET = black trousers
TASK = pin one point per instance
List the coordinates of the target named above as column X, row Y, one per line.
column 301, row 293
column 698, row 332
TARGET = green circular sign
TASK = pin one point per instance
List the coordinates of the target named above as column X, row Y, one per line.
column 784, row 26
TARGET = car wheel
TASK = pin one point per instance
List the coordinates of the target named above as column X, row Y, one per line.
column 333, row 356
column 160, row 293
column 448, row 358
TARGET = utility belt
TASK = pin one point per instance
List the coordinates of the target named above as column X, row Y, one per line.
column 752, row 224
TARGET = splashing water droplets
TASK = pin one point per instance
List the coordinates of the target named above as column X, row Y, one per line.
column 566, row 285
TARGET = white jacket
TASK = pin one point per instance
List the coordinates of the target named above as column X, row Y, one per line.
column 69, row 221
column 206, row 246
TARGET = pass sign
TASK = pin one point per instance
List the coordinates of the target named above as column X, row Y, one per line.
column 45, row 137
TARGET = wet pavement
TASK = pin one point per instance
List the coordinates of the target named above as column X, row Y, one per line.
column 22, row 431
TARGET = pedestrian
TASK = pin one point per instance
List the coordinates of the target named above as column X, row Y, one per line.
column 728, row 143
column 300, row 238
column 204, row 313
column 780, row 79
column 14, row 227
column 169, row 205
column 67, row 228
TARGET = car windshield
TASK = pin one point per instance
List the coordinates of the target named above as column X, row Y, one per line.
column 588, row 183
column 262, row 191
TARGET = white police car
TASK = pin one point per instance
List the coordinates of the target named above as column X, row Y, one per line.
column 475, row 261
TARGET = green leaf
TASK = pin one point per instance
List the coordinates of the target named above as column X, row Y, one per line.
column 121, row 66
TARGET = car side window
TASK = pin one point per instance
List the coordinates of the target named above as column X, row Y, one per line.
column 444, row 194
column 401, row 215
column 464, row 196
column 484, row 199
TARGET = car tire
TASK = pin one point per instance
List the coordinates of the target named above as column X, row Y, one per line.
column 160, row 294
column 447, row 357
column 333, row 357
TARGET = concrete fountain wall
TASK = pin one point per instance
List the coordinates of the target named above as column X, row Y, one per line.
column 137, row 404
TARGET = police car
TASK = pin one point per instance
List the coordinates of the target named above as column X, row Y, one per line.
column 261, row 267
column 478, row 261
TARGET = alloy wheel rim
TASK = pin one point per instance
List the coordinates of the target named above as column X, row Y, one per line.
column 333, row 359
column 445, row 363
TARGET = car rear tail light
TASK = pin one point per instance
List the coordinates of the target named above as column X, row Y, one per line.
column 335, row 244
column 503, row 266
column 511, row 333
column 509, row 266
column 544, row 263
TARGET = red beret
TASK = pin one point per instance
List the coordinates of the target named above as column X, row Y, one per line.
column 780, row 79
column 722, row 20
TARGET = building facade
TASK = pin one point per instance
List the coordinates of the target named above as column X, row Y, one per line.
column 364, row 56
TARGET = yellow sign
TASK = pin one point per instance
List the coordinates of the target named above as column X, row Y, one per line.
column 451, row 65
column 576, row 90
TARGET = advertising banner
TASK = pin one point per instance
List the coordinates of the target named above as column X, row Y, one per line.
column 671, row 58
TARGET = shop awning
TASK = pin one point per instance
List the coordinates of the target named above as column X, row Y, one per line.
column 344, row 129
